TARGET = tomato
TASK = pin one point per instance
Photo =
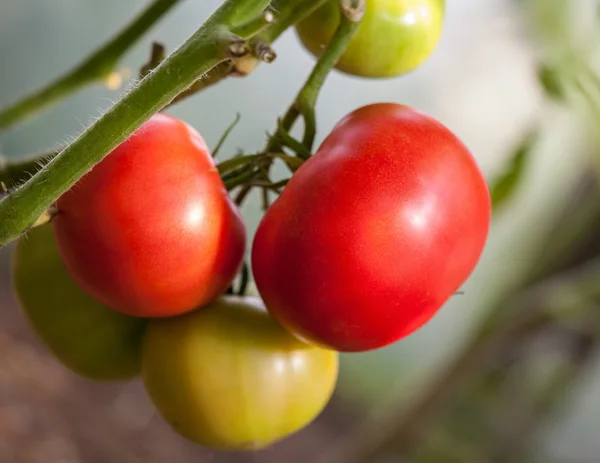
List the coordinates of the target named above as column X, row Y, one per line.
column 230, row 377
column 394, row 37
column 89, row 338
column 373, row 233
column 151, row 231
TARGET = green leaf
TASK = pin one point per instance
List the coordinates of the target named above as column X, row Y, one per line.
column 505, row 185
column 550, row 80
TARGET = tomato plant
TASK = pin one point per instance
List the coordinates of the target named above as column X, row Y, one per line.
column 365, row 243
column 89, row 338
column 151, row 231
column 374, row 232
column 228, row 376
column 394, row 37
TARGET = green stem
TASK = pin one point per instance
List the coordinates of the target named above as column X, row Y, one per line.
column 290, row 142
column 226, row 134
column 288, row 12
column 13, row 173
column 210, row 45
column 236, row 162
column 254, row 26
column 304, row 104
column 215, row 75
column 97, row 67
column 352, row 12
column 238, row 179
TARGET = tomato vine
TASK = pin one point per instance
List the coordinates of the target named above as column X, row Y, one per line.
column 213, row 51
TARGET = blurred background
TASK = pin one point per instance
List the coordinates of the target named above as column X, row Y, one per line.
column 508, row 371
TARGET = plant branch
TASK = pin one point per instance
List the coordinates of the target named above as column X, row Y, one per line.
column 254, row 26
column 286, row 13
column 95, row 68
column 351, row 13
column 12, row 173
column 210, row 45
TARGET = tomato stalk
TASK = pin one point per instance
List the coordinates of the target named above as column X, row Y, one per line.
column 287, row 13
column 96, row 67
column 255, row 25
column 352, row 12
column 212, row 46
column 14, row 172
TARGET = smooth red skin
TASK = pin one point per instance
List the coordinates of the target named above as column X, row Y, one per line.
column 151, row 231
column 374, row 232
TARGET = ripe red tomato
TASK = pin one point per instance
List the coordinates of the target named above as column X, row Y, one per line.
column 394, row 37
column 230, row 377
column 374, row 232
column 151, row 231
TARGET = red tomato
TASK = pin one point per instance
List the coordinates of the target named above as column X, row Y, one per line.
column 151, row 231
column 374, row 232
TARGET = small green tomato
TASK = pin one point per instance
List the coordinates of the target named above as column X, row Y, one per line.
column 394, row 37
column 89, row 338
column 227, row 376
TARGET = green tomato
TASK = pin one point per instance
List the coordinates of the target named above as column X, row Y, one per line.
column 229, row 377
column 394, row 37
column 89, row 338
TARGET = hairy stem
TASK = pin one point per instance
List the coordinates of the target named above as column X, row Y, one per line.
column 210, row 45
column 96, row 67
column 12, row 173
column 287, row 12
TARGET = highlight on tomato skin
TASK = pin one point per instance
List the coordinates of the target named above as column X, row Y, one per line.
column 88, row 338
column 393, row 38
column 229, row 377
column 151, row 230
column 374, row 232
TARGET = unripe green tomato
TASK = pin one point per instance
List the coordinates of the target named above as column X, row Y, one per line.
column 228, row 377
column 394, row 37
column 89, row 338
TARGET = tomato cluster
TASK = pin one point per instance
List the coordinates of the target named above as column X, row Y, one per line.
column 370, row 237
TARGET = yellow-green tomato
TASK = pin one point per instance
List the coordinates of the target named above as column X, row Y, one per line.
column 227, row 376
column 394, row 37
column 89, row 338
